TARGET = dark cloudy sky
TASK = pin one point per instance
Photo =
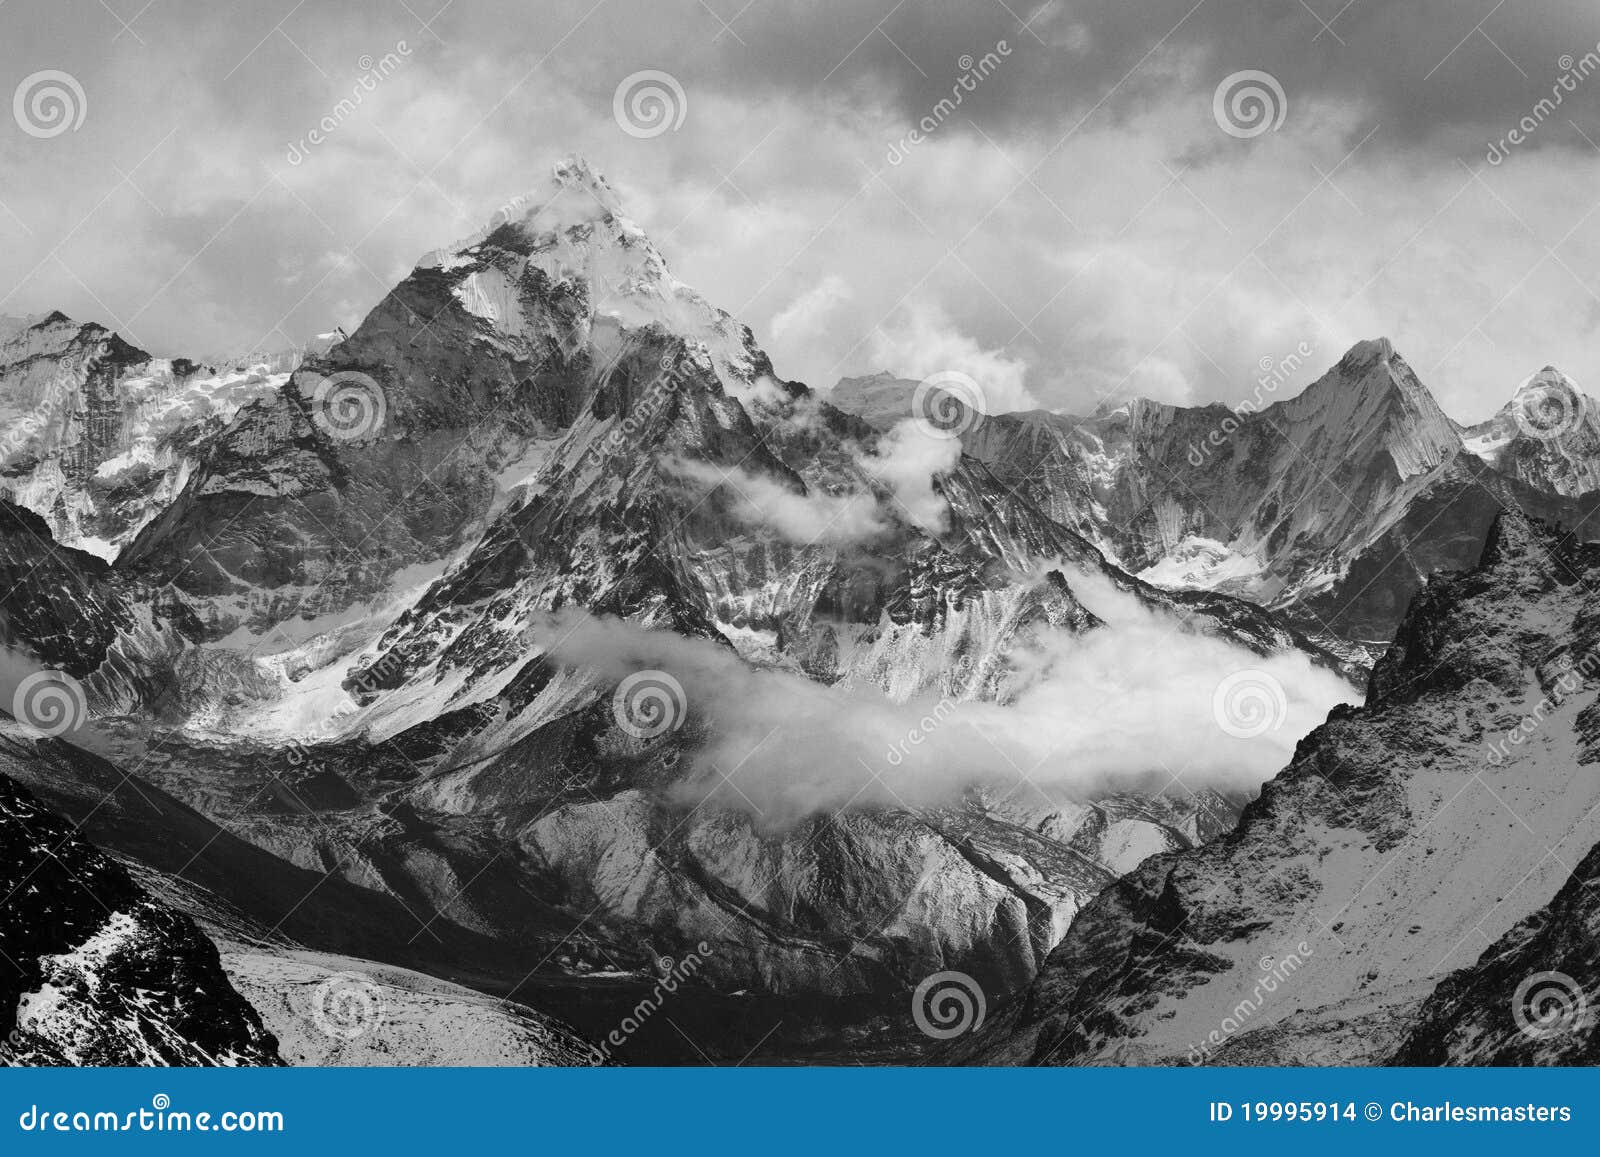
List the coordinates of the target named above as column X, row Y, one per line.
column 1082, row 228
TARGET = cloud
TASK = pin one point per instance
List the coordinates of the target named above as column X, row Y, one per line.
column 1130, row 705
column 922, row 341
column 808, row 317
column 895, row 484
column 1080, row 217
column 814, row 516
column 906, row 460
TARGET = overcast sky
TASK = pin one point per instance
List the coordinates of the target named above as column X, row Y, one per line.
column 1082, row 228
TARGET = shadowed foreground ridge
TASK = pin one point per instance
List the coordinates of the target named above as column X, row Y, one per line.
column 99, row 973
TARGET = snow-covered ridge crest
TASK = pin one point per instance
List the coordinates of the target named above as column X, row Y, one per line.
column 97, row 436
column 573, row 231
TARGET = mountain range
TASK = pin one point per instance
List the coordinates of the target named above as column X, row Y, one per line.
column 443, row 698
column 1331, row 507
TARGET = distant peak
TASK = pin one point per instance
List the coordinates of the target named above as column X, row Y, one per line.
column 1545, row 378
column 1515, row 535
column 574, row 192
column 574, row 197
column 1373, row 351
column 34, row 320
column 575, row 169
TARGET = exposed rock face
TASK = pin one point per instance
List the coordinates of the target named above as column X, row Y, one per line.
column 98, row 435
column 69, row 611
column 880, row 399
column 98, row 973
column 1532, row 998
column 1333, row 506
column 1405, row 835
column 1547, row 435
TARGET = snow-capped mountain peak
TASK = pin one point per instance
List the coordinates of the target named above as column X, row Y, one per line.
column 97, row 436
column 1371, row 399
column 570, row 235
column 1547, row 434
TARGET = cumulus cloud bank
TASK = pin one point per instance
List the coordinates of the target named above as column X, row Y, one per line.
column 814, row 516
column 1132, row 704
column 896, row 483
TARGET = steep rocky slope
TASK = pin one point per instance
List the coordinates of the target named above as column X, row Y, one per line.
column 1406, row 835
column 99, row 973
column 98, row 435
column 321, row 1007
column 1532, row 998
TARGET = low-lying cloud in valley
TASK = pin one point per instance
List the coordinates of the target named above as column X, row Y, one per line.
column 896, row 486
column 1138, row 703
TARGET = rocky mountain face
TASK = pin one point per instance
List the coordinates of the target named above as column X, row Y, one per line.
column 98, row 435
column 385, row 626
column 1547, row 435
column 97, row 971
column 1407, row 836
column 1332, row 507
